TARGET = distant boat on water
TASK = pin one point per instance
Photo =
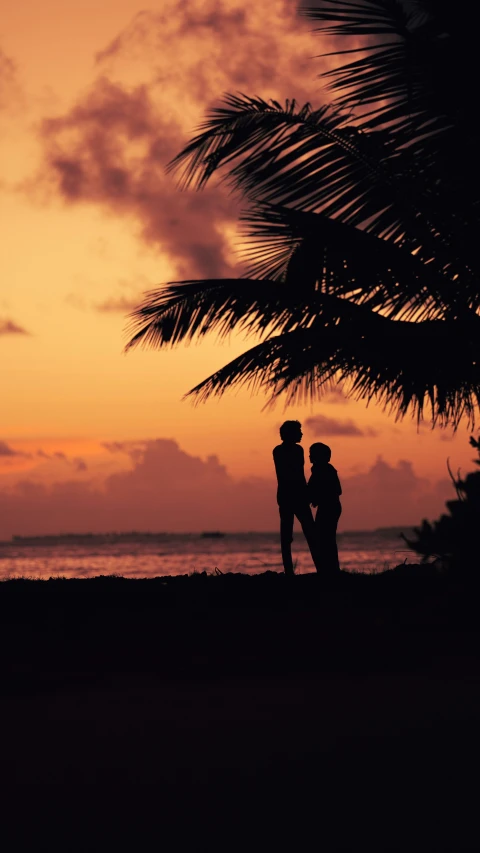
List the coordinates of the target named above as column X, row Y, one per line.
column 213, row 534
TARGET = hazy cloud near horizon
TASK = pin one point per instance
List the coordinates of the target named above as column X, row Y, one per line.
column 8, row 80
column 76, row 461
column 6, row 451
column 9, row 454
column 167, row 489
column 322, row 425
column 157, row 79
column 335, row 396
column 9, row 327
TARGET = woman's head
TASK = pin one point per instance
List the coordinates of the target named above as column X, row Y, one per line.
column 320, row 453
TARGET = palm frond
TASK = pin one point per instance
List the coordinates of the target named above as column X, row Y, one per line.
column 319, row 161
column 413, row 61
column 234, row 129
column 309, row 159
column 403, row 366
column 362, row 257
column 188, row 310
column 317, row 267
column 369, row 18
column 312, row 252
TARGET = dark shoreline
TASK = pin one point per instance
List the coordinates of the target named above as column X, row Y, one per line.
column 231, row 710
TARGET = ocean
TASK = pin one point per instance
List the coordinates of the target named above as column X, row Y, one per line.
column 150, row 555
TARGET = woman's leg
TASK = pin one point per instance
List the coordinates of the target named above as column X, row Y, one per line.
column 332, row 548
column 326, row 523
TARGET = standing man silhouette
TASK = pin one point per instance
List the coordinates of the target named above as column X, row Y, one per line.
column 292, row 493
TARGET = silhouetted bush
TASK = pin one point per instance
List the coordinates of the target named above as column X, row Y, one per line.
column 454, row 537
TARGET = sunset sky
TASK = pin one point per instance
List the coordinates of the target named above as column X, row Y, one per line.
column 95, row 99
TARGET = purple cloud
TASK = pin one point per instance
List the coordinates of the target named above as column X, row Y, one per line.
column 321, row 425
column 111, row 148
column 9, row 84
column 8, row 452
column 118, row 305
column 335, row 396
column 167, row 489
column 77, row 462
column 8, row 327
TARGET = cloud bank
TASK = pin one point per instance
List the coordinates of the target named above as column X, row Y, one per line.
column 8, row 80
column 112, row 147
column 9, row 327
column 9, row 456
column 167, row 489
column 76, row 462
column 8, row 452
column 321, row 425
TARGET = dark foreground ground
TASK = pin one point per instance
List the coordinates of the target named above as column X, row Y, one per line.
column 241, row 713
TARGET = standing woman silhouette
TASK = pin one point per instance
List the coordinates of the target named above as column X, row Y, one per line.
column 324, row 492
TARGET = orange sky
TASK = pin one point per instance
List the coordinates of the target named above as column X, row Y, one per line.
column 95, row 97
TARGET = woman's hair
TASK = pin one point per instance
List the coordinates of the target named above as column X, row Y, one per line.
column 290, row 429
column 320, row 452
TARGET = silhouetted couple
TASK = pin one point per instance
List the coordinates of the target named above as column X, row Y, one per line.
column 295, row 495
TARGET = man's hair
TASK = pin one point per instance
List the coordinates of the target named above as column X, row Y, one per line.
column 289, row 428
column 320, row 452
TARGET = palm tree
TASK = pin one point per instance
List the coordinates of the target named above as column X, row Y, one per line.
column 362, row 262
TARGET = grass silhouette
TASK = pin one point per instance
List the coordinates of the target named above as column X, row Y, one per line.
column 222, row 624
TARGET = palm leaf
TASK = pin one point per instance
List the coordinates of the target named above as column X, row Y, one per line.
column 362, row 233
column 318, row 161
column 313, row 263
column 416, row 366
column 188, row 310
column 313, row 252
column 417, row 72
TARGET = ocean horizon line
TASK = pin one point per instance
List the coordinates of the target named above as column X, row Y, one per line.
column 108, row 536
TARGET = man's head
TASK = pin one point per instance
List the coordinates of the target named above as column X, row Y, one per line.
column 320, row 453
column 291, row 431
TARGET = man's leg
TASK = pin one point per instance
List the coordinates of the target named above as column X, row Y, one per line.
column 286, row 537
column 305, row 517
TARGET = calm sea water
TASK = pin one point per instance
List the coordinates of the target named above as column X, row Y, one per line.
column 174, row 554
